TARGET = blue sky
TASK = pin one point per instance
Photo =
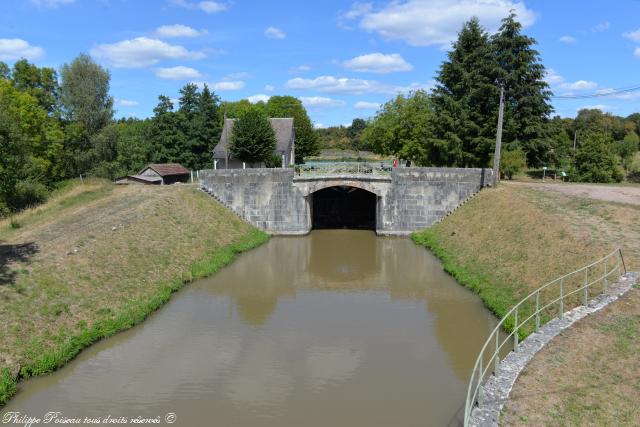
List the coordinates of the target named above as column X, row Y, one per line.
column 343, row 59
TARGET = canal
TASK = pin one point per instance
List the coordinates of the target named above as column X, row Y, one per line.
column 337, row 328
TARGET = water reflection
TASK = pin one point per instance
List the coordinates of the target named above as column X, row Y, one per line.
column 339, row 327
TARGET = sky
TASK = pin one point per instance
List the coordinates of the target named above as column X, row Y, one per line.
column 343, row 59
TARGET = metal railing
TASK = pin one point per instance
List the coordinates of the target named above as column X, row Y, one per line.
column 551, row 300
column 344, row 168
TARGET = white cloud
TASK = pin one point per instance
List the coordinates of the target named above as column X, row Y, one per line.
column 579, row 85
column 141, row 52
column 633, row 35
column 348, row 86
column 14, row 49
column 51, row 3
column 357, row 10
column 261, row 97
column 178, row 30
column 567, row 39
column 378, row 63
column 299, row 69
column 205, row 6
column 636, row 52
column 435, row 22
column 553, row 78
column 126, row 103
column 364, row 105
column 319, row 126
column 321, row 102
column 269, row 88
column 274, row 33
column 603, row 26
column 228, row 85
column 178, row 73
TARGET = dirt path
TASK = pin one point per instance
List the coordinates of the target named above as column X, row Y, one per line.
column 629, row 195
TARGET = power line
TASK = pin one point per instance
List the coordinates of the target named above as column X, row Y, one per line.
column 601, row 93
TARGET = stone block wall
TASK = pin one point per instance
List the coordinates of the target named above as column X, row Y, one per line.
column 265, row 198
column 413, row 199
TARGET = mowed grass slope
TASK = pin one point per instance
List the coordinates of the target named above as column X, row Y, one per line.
column 508, row 241
column 97, row 259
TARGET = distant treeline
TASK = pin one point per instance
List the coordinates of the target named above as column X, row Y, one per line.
column 455, row 123
column 53, row 129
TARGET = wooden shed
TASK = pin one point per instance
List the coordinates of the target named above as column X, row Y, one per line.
column 161, row 174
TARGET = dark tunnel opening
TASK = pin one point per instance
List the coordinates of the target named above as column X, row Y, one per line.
column 344, row 207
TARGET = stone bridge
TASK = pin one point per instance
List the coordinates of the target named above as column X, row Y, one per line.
column 281, row 202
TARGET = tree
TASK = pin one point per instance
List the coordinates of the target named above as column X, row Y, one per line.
column 206, row 128
column 84, row 94
column 306, row 138
column 355, row 130
column 253, row 139
column 627, row 148
column 595, row 160
column 30, row 148
column 527, row 95
column 165, row 134
column 41, row 83
column 465, row 99
column 512, row 162
column 404, row 127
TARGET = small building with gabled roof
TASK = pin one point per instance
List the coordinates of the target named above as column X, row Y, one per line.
column 285, row 144
column 161, row 174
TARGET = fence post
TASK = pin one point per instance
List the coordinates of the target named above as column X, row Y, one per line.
column 561, row 298
column 622, row 259
column 537, row 310
column 515, row 331
column 497, row 355
column 606, row 284
column 586, row 288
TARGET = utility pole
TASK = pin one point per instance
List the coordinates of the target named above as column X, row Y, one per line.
column 575, row 137
column 496, row 156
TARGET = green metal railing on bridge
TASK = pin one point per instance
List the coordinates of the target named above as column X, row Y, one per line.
column 545, row 303
column 344, row 168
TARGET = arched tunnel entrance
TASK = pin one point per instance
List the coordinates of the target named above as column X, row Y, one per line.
column 344, row 207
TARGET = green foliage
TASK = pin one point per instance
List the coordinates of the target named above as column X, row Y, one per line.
column 595, row 160
column 527, row 94
column 404, row 128
column 41, row 83
column 187, row 135
column 628, row 147
column 253, row 139
column 334, row 137
column 306, row 143
column 512, row 162
column 84, row 94
column 7, row 386
column 465, row 100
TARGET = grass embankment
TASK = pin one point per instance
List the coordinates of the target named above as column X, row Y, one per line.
column 505, row 243
column 98, row 259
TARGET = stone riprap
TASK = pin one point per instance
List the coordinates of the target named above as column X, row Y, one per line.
column 496, row 389
column 280, row 202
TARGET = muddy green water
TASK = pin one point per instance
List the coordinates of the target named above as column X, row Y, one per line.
column 338, row 328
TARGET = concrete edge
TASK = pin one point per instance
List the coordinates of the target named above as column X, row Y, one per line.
column 497, row 388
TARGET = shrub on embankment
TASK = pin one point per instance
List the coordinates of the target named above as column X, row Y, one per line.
column 507, row 242
column 98, row 259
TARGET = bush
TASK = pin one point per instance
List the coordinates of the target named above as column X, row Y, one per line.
column 595, row 160
column 512, row 162
column 29, row 193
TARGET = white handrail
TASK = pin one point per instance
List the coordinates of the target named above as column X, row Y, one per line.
column 479, row 370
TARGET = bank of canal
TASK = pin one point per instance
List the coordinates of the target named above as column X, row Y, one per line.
column 336, row 328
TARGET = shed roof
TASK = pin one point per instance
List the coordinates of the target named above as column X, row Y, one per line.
column 283, row 128
column 167, row 169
